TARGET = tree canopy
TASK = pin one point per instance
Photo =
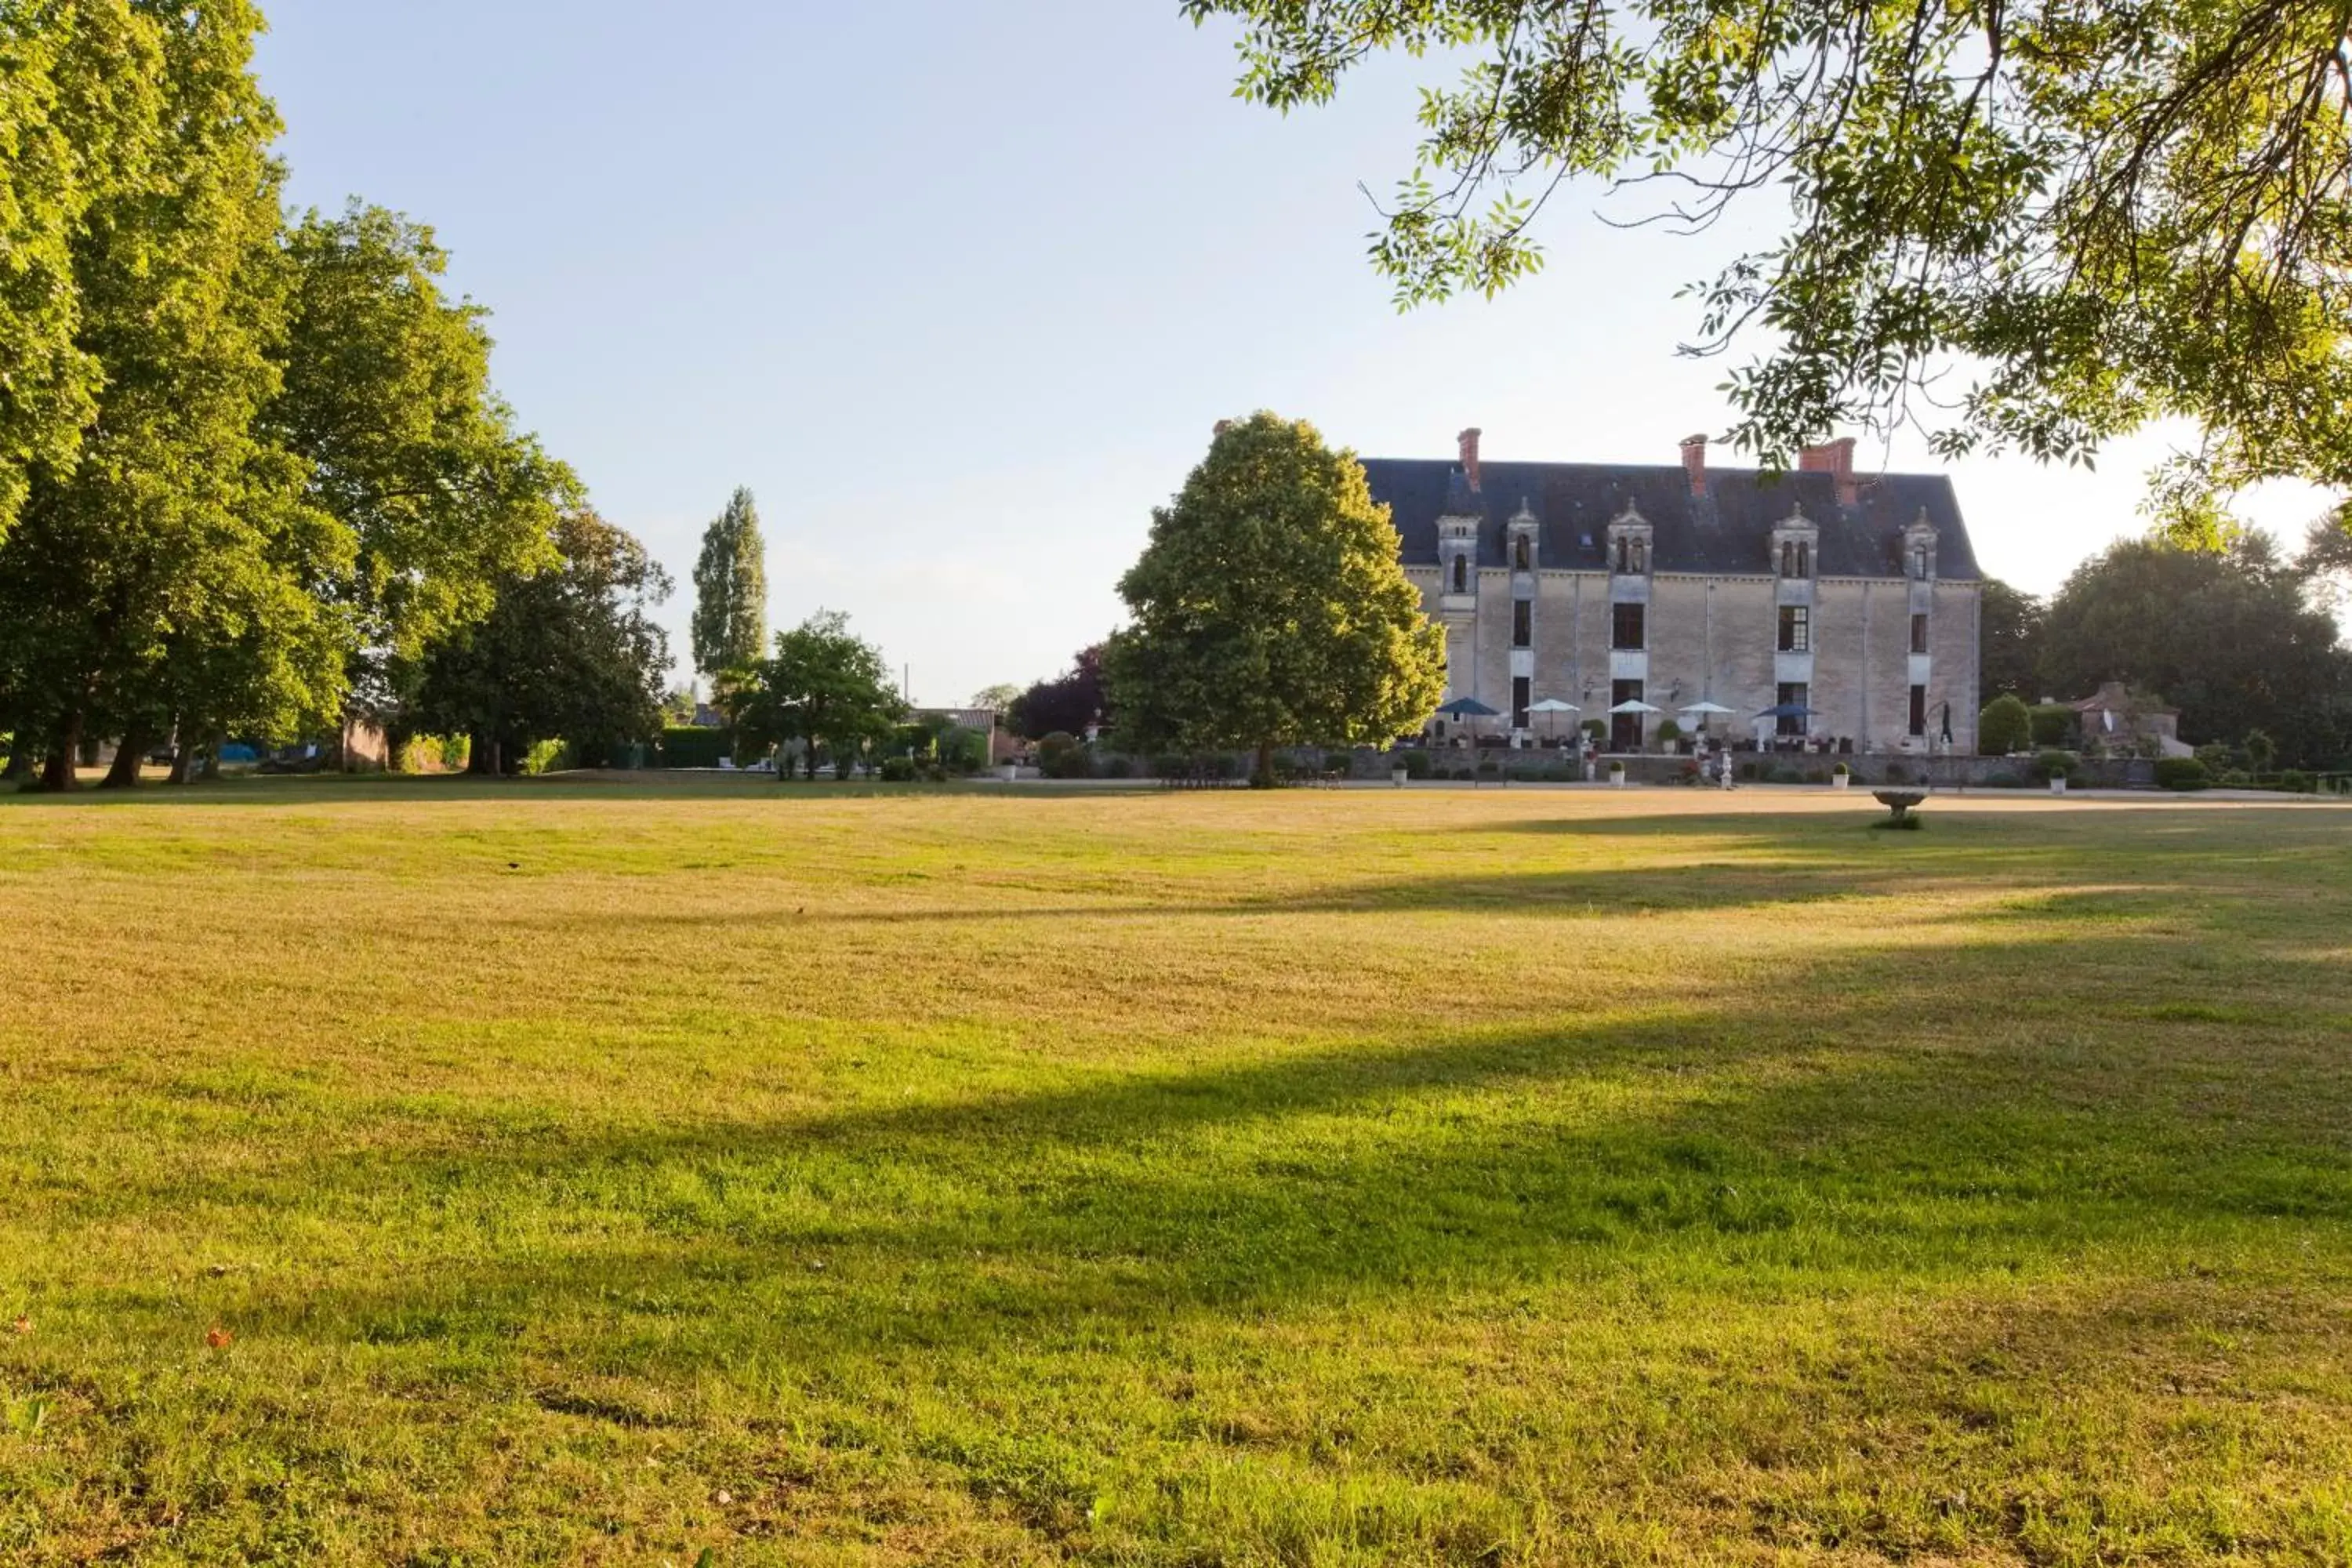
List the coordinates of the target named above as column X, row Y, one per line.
column 2009, row 638
column 730, row 591
column 572, row 653
column 2231, row 638
column 824, row 687
column 2028, row 226
column 1269, row 607
column 1067, row 704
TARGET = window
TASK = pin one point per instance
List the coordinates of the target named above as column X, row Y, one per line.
column 1624, row 729
column 1624, row 552
column 1461, row 575
column 1796, row 629
column 1633, row 554
column 1796, row 558
column 1918, row 711
column 1523, row 624
column 1521, row 557
column 1791, row 721
column 1626, row 626
column 1520, row 684
column 1919, row 562
column 1641, row 554
column 1918, row 637
column 1804, row 558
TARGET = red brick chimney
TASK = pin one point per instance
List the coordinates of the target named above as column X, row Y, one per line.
column 1694, row 462
column 1836, row 459
column 1469, row 439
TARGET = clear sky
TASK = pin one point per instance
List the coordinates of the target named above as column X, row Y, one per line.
column 960, row 289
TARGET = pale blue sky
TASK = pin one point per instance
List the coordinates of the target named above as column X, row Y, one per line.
column 958, row 289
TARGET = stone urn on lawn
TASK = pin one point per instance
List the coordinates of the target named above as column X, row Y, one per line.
column 1397, row 775
column 1617, row 775
column 1841, row 777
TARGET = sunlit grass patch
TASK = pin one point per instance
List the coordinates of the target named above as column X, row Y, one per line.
column 587, row 1175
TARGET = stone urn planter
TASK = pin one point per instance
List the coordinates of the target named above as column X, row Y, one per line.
column 1617, row 775
column 1841, row 779
column 1397, row 776
column 2058, row 784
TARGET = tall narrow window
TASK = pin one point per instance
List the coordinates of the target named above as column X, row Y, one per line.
column 1624, row 552
column 1461, row 575
column 1520, row 560
column 1919, row 562
column 1918, row 634
column 1640, row 555
column 1627, row 626
column 1791, row 716
column 1918, row 711
column 1804, row 558
column 1796, row 629
column 1523, row 624
column 1519, row 685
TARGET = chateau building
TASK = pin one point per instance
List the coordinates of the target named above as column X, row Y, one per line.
column 1820, row 602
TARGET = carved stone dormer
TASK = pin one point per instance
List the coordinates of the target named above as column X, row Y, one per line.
column 1520, row 542
column 1919, row 549
column 1629, row 543
column 1796, row 547
column 1457, row 548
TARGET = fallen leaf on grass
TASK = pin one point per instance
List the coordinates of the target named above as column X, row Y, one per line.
column 218, row 1337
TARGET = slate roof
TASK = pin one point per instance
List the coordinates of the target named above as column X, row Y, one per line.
column 1729, row 530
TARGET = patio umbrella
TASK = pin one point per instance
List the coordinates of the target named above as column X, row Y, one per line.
column 1469, row 708
column 1633, row 705
column 1551, row 705
column 1708, row 709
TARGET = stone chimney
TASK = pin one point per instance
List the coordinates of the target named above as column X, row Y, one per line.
column 1835, row 458
column 1469, row 439
column 1694, row 462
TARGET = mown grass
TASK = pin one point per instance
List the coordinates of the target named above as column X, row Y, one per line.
column 604, row 1176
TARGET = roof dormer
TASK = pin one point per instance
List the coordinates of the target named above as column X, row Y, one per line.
column 1629, row 542
column 1796, row 547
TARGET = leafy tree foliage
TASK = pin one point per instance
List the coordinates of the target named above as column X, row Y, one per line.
column 572, row 653
column 1069, row 701
column 80, row 118
column 2229, row 637
column 824, row 687
column 2011, row 640
column 730, row 591
column 1269, row 607
column 2006, row 725
column 999, row 698
column 161, row 578
column 2116, row 212
column 386, row 396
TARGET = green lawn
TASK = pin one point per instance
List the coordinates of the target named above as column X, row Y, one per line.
column 588, row 1175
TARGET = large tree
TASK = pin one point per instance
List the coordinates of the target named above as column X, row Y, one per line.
column 568, row 653
column 386, row 396
column 2231, row 638
column 730, row 591
column 2009, row 627
column 80, row 102
column 161, row 578
column 1269, row 607
column 1067, row 704
column 824, row 687
column 2102, row 214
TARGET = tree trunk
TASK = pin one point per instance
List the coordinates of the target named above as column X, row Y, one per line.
column 20, row 759
column 65, row 749
column 182, row 756
column 210, row 771
column 1264, row 777
column 129, row 753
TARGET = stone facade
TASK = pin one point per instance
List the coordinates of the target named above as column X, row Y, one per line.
column 1679, row 586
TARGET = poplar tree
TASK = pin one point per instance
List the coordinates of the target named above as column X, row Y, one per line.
column 730, row 592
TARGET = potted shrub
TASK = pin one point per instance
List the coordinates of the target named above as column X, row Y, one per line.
column 1617, row 775
column 1841, row 777
column 1670, row 736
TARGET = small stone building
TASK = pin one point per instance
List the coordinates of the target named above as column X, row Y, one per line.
column 1843, row 604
